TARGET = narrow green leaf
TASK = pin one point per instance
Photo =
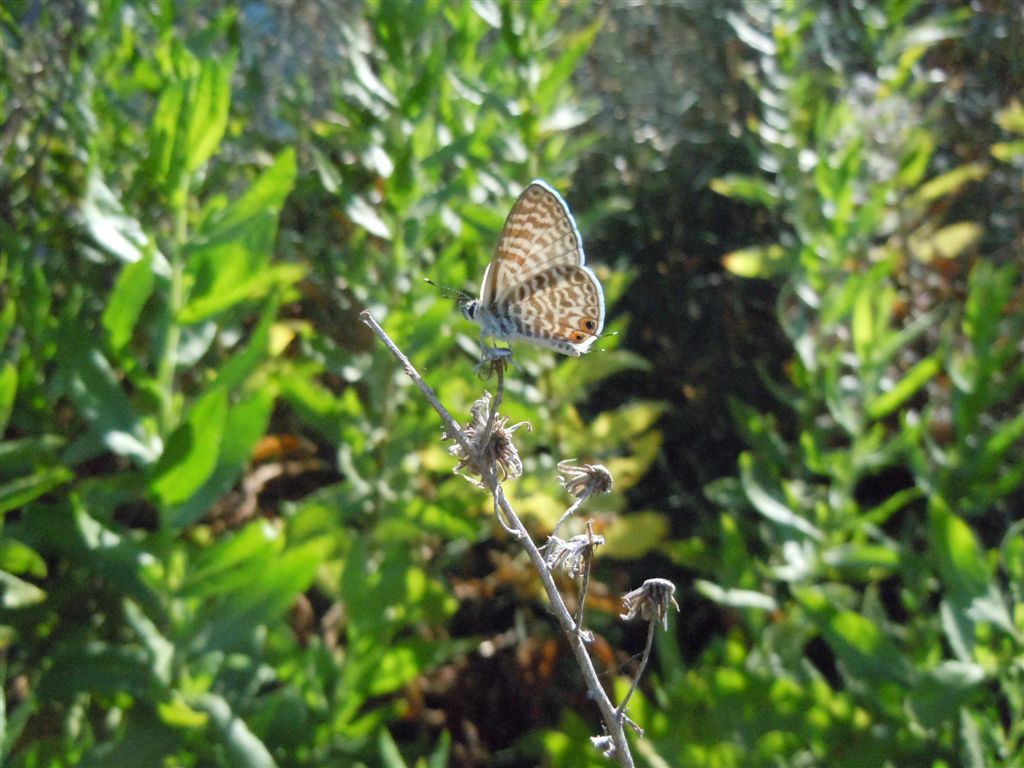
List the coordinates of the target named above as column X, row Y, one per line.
column 959, row 559
column 17, row 593
column 259, row 285
column 938, row 694
column 229, row 254
column 920, row 374
column 210, row 97
column 363, row 214
column 95, row 389
column 548, row 93
column 243, row 746
column 857, row 556
column 132, row 289
column 770, row 507
column 951, row 181
column 191, row 452
column 112, row 229
column 263, row 598
column 21, row 491
column 736, row 598
column 8, row 389
column 748, row 189
column 760, row 262
column 263, row 199
column 17, row 557
column 246, row 423
column 858, row 642
column 390, row 756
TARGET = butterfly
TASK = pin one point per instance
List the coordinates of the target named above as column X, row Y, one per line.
column 536, row 287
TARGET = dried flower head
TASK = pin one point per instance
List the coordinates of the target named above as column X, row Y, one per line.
column 584, row 480
column 494, row 449
column 650, row 601
column 605, row 744
column 571, row 555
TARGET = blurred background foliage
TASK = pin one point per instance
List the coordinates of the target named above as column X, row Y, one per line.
column 231, row 535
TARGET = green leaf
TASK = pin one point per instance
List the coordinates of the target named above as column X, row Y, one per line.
column 189, row 121
column 229, row 254
column 113, row 229
column 18, row 557
column 549, row 91
column 390, row 756
column 749, row 189
column 243, row 746
column 209, row 100
column 920, row 374
column 246, row 423
column 192, row 450
column 96, row 668
column 259, row 593
column 769, row 506
column 973, row 596
column 859, row 556
column 8, row 389
column 21, row 491
column 266, row 281
column 951, row 181
column 94, row 388
column 632, row 536
column 960, row 560
column 858, row 642
column 132, row 289
column 758, row 261
column 736, row 598
column 939, row 692
column 17, row 593
column 363, row 214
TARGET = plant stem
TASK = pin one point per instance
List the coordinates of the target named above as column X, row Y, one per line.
column 613, row 721
column 643, row 664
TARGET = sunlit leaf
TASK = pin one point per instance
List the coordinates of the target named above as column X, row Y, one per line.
column 17, row 593
column 920, row 374
column 192, row 450
column 769, row 506
column 132, row 289
column 762, row 262
column 736, row 598
column 244, row 747
column 634, row 535
column 749, row 189
column 95, row 389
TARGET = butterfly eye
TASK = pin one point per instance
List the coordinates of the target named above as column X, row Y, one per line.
column 578, row 337
column 589, row 325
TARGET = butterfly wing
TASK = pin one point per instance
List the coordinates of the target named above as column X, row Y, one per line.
column 539, row 234
column 561, row 307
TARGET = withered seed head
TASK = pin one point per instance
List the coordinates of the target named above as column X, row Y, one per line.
column 570, row 555
column 585, row 479
column 499, row 450
column 650, row 600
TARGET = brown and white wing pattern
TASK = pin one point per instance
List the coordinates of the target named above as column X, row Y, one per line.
column 537, row 287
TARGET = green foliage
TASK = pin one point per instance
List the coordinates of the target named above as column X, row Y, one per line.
column 230, row 532
column 172, row 312
column 886, row 628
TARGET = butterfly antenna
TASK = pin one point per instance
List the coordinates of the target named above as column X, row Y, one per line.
column 446, row 290
column 607, row 349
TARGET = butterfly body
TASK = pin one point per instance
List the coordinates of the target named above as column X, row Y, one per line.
column 536, row 287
